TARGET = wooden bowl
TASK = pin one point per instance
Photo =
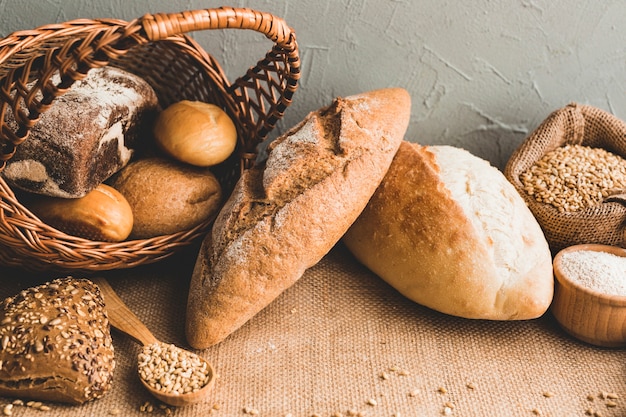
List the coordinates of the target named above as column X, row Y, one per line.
column 589, row 315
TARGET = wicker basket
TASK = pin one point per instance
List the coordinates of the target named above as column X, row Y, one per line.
column 155, row 48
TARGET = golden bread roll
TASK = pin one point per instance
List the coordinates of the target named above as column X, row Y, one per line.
column 285, row 214
column 196, row 133
column 448, row 231
column 102, row 214
column 167, row 196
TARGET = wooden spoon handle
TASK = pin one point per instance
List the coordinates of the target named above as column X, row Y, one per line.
column 121, row 317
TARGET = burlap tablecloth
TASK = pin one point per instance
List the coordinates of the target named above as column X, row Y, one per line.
column 341, row 341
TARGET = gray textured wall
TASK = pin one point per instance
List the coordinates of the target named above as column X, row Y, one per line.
column 482, row 73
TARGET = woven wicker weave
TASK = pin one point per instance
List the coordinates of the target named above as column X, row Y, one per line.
column 156, row 48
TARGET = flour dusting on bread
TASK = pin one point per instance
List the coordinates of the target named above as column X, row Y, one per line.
column 285, row 214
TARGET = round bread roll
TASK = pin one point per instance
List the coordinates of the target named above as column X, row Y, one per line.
column 448, row 231
column 102, row 214
column 166, row 196
column 56, row 343
column 196, row 133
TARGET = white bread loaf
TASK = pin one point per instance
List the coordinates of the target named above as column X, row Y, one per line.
column 284, row 215
column 448, row 231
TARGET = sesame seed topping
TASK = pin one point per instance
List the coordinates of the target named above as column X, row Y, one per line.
column 37, row 326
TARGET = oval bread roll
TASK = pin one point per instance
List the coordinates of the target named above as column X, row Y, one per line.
column 167, row 196
column 196, row 133
column 448, row 231
column 102, row 214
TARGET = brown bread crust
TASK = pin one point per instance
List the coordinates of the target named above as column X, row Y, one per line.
column 86, row 136
column 167, row 196
column 287, row 213
column 55, row 343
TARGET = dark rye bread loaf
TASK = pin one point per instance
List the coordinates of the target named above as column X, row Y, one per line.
column 284, row 215
column 87, row 135
column 55, row 343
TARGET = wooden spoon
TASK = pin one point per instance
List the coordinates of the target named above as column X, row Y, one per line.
column 124, row 320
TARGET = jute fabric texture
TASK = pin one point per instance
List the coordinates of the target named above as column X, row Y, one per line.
column 574, row 124
column 342, row 341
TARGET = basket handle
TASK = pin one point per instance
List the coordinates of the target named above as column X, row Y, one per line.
column 117, row 37
column 162, row 25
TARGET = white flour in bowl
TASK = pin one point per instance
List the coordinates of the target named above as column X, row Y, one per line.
column 599, row 271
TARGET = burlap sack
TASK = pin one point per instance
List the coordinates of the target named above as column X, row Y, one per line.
column 574, row 124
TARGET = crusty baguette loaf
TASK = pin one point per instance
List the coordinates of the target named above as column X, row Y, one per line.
column 55, row 343
column 448, row 231
column 284, row 215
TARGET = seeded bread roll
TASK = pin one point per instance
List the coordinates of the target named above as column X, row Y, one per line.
column 285, row 214
column 86, row 136
column 55, row 343
column 448, row 231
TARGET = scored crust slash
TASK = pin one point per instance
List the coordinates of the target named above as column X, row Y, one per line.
column 448, row 231
column 286, row 213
